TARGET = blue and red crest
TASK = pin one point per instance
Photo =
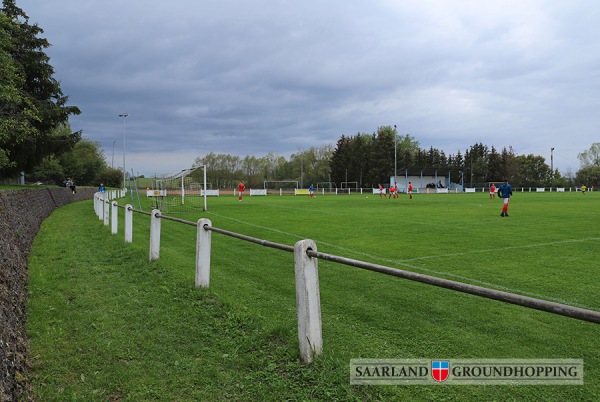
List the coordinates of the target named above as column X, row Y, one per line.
column 440, row 370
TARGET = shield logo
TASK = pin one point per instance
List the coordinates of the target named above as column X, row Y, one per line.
column 440, row 370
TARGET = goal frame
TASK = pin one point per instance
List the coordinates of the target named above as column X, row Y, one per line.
column 182, row 184
column 330, row 187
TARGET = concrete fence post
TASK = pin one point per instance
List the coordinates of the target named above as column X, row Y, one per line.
column 106, row 209
column 203, row 246
column 308, row 301
column 155, row 235
column 99, row 206
column 128, row 223
column 114, row 214
column 96, row 203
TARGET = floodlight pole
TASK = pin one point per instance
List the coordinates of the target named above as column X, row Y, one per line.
column 113, row 158
column 182, row 189
column 123, row 115
column 551, row 166
column 204, row 168
column 395, row 157
column 302, row 170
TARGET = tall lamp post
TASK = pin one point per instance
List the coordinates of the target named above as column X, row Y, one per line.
column 551, row 166
column 395, row 158
column 113, row 158
column 124, row 115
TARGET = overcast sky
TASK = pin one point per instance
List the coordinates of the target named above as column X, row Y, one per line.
column 250, row 77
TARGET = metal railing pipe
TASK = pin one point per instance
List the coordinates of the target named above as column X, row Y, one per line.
column 525, row 301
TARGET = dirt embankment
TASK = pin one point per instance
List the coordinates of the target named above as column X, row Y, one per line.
column 21, row 214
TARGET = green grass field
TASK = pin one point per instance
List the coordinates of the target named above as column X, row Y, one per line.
column 106, row 324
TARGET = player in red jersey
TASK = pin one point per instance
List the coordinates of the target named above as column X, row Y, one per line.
column 493, row 191
column 241, row 188
column 410, row 189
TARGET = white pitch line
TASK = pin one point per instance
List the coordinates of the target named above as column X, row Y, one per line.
column 417, row 268
column 310, row 210
column 507, row 248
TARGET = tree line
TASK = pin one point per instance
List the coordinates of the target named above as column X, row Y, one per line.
column 372, row 158
column 307, row 167
column 365, row 160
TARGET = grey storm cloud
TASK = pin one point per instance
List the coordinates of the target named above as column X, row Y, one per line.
column 239, row 77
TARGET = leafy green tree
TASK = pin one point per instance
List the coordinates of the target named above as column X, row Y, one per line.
column 558, row 181
column 32, row 104
column 588, row 176
column 590, row 157
column 481, row 170
column 510, row 165
column 315, row 162
column 420, row 159
column 252, row 170
column 476, row 165
column 256, row 170
column 225, row 171
column 570, row 179
column 85, row 164
column 321, row 162
column 494, row 160
column 340, row 159
column 360, row 164
column 111, row 177
column 273, row 166
column 222, row 169
column 407, row 148
column 382, row 156
column 534, row 171
column 285, row 171
column 48, row 170
column 435, row 158
column 13, row 105
column 589, row 173
column 297, row 164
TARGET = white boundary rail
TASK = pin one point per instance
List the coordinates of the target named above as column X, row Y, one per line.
column 306, row 256
column 258, row 191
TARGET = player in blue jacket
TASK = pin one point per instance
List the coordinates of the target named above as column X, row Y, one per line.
column 505, row 191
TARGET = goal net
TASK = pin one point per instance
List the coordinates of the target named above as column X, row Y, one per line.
column 350, row 184
column 180, row 192
column 326, row 185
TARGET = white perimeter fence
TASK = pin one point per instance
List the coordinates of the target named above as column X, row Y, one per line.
column 445, row 190
column 306, row 256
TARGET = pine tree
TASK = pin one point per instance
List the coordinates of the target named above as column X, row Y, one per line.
column 32, row 104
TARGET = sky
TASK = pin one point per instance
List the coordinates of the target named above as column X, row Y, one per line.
column 246, row 77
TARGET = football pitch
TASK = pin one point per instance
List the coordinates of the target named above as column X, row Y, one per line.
column 546, row 248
